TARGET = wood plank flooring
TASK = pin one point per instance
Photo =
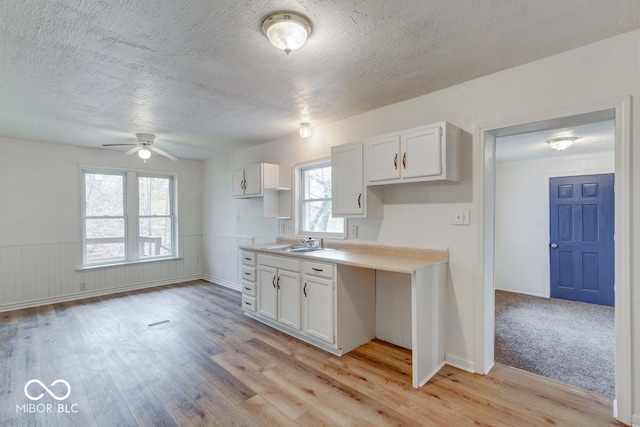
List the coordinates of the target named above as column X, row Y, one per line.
column 211, row 365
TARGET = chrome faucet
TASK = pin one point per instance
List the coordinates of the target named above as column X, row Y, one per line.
column 311, row 242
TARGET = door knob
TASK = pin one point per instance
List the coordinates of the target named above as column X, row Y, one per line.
column 554, row 245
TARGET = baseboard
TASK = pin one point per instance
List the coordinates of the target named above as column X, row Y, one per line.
column 521, row 292
column 97, row 293
column 457, row 362
column 222, row 282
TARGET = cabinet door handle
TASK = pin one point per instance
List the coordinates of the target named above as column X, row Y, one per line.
column 305, row 289
column 278, row 282
column 359, row 199
column 273, row 282
column 404, row 160
column 316, row 269
column 395, row 162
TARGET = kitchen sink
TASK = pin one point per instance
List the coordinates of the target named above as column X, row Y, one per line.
column 294, row 248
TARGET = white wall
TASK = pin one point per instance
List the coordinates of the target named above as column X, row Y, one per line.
column 40, row 227
column 418, row 215
column 522, row 217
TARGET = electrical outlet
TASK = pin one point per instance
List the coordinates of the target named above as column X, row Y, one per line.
column 289, row 230
column 353, row 231
column 83, row 286
column 282, row 228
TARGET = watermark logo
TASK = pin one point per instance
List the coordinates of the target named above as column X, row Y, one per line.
column 59, row 390
column 51, row 393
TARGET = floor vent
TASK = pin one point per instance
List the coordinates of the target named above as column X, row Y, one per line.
column 161, row 322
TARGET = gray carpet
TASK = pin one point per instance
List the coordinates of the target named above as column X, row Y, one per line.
column 569, row 341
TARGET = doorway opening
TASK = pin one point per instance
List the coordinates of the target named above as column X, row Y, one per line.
column 550, row 208
column 484, row 191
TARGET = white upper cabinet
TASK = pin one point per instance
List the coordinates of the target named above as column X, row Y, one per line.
column 427, row 153
column 384, row 158
column 349, row 195
column 253, row 180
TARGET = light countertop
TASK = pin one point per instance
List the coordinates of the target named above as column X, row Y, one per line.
column 387, row 258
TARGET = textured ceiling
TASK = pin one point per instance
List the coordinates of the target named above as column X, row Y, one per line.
column 201, row 75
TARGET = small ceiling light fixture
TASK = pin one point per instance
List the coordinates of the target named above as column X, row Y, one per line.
column 561, row 143
column 144, row 153
column 286, row 30
column 305, row 130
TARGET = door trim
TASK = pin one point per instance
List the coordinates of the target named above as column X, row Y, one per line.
column 484, row 194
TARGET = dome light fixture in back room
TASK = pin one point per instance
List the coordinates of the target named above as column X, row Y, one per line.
column 286, row 30
column 561, row 143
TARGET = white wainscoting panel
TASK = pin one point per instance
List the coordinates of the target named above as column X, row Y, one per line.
column 32, row 275
column 222, row 261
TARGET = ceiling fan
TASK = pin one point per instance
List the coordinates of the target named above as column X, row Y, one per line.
column 144, row 147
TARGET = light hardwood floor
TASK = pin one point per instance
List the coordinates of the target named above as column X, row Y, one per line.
column 211, row 365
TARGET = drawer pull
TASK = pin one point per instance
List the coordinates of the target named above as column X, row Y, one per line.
column 247, row 289
column 248, row 259
column 316, row 269
column 247, row 273
column 247, row 303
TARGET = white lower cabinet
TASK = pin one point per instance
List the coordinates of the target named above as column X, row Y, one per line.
column 318, row 306
column 327, row 305
column 279, row 290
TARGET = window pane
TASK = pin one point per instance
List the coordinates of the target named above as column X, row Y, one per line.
column 155, row 237
column 317, row 183
column 155, row 195
column 316, row 218
column 105, row 239
column 104, row 194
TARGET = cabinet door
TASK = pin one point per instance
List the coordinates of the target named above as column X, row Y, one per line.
column 288, row 284
column 421, row 153
column 237, row 182
column 267, row 292
column 319, row 308
column 253, row 180
column 383, row 158
column 347, row 189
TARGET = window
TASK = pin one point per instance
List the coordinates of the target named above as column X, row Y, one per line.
column 127, row 216
column 314, row 214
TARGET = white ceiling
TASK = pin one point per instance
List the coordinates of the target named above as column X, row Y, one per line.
column 201, row 75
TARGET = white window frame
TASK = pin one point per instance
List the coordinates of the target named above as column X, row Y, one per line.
column 300, row 200
column 131, row 215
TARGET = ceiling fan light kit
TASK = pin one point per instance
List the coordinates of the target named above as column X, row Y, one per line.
column 144, row 147
column 286, row 30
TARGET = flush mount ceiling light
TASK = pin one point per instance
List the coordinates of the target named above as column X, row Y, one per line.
column 305, row 130
column 561, row 143
column 286, row 30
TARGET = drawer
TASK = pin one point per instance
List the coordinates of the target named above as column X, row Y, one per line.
column 318, row 269
column 286, row 263
column 248, row 258
column 248, row 303
column 248, row 274
column 248, row 288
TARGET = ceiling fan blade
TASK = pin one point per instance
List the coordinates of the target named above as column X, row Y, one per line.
column 115, row 145
column 133, row 150
column 163, row 152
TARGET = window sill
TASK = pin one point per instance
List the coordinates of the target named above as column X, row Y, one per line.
column 118, row 264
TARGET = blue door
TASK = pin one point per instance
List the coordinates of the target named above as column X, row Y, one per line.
column 581, row 232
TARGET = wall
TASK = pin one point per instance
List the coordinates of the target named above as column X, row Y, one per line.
column 522, row 217
column 40, row 238
column 418, row 215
